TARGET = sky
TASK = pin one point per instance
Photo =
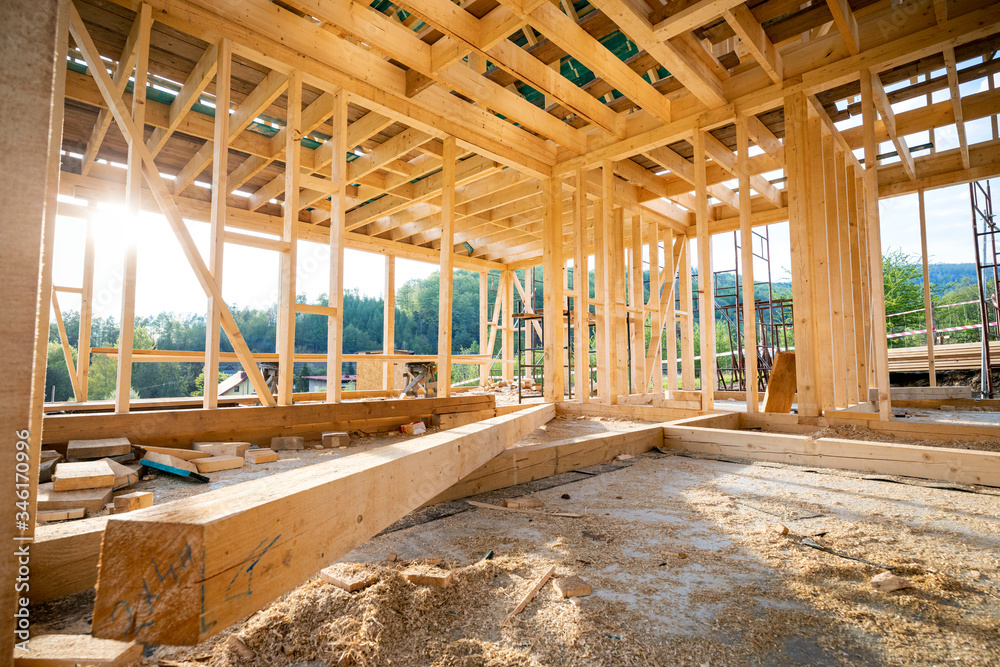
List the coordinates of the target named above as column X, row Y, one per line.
column 166, row 283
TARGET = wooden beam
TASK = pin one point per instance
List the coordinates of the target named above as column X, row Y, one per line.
column 581, row 293
column 928, row 304
column 166, row 203
column 750, row 32
column 956, row 103
column 553, row 267
column 338, row 228
column 219, row 540
column 846, row 24
column 673, row 54
column 189, row 93
column 876, row 286
column 34, row 47
column 706, row 296
column 447, row 267
column 889, row 119
column 67, row 351
column 674, row 19
column 217, row 228
column 133, row 203
column 747, row 258
column 285, row 345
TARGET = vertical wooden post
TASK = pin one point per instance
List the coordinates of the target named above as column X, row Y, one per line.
column 880, row 347
column 581, row 291
column 653, row 306
column 706, row 299
column 637, row 308
column 133, row 204
column 851, row 289
column 389, row 322
column 552, row 270
column 859, row 263
column 484, row 319
column 746, row 249
column 338, row 207
column 608, row 379
column 447, row 266
column 799, row 213
column 838, row 363
column 620, row 312
column 687, row 319
column 217, row 228
column 822, row 351
column 34, row 49
column 670, row 314
column 289, row 234
column 507, row 324
column 928, row 304
column 86, row 311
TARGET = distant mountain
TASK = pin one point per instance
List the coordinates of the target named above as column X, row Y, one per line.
column 943, row 274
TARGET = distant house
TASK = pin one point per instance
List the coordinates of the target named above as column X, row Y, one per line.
column 237, row 384
column 318, row 382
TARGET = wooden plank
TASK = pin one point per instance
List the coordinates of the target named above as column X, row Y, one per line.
column 124, row 476
column 82, row 475
column 285, row 345
column 129, row 502
column 217, row 463
column 939, row 463
column 92, row 500
column 928, row 304
column 216, row 541
column 706, row 290
column 338, row 231
column 72, row 650
column 64, row 558
column 530, row 595
column 97, row 448
column 747, row 259
column 782, row 384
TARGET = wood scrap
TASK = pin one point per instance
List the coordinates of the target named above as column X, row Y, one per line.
column 124, row 476
column 782, row 384
column 288, row 442
column 49, row 455
column 179, row 472
column 91, row 500
column 572, row 586
column 97, row 449
column 169, row 461
column 426, row 576
column 522, row 503
column 82, row 475
column 73, row 650
column 347, row 577
column 222, row 448
column 569, row 515
column 333, row 439
column 130, row 502
column 177, row 453
column 46, row 516
column 260, row 456
column 530, row 595
column 217, row 463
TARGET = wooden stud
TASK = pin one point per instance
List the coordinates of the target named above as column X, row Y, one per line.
column 133, row 204
column 553, row 267
column 876, row 288
column 338, row 209
column 831, row 231
column 217, row 229
column 484, row 321
column 603, row 250
column 637, row 310
column 286, row 295
column 706, row 297
column 687, row 321
column 581, row 292
column 389, row 321
column 819, row 356
column 746, row 252
column 928, row 304
column 447, row 264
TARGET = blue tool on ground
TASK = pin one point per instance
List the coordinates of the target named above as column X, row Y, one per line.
column 175, row 471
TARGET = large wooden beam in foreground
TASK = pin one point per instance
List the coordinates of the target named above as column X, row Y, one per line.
column 179, row 574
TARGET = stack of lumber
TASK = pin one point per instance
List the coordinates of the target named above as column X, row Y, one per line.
column 961, row 356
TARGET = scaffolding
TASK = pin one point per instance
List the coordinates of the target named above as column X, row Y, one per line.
column 772, row 317
column 985, row 233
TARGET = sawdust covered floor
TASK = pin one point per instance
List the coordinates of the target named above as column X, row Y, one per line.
column 744, row 594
